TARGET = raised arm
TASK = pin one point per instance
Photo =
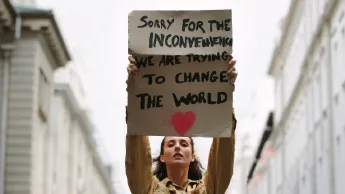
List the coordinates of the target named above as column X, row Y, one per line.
column 220, row 163
column 138, row 163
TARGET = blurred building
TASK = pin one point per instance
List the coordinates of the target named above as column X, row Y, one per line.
column 74, row 143
column 257, row 176
column 73, row 162
column 46, row 137
column 24, row 2
column 243, row 161
column 308, row 136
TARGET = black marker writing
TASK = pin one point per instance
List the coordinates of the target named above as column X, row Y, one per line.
column 200, row 98
column 144, row 61
column 162, row 23
column 170, row 40
column 220, row 25
column 192, row 25
column 207, row 58
column 153, row 77
column 147, row 101
column 201, row 77
column 170, row 60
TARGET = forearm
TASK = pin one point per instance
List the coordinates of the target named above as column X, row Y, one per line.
column 138, row 164
column 221, row 163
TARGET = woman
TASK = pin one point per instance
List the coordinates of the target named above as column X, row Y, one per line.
column 177, row 169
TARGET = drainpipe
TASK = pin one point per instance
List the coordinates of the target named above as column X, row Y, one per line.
column 330, row 104
column 6, row 50
column 4, row 106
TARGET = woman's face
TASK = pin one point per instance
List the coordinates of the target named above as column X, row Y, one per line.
column 177, row 151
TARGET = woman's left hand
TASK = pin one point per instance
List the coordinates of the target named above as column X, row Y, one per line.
column 232, row 73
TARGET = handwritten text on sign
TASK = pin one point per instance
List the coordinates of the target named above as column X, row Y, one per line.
column 181, row 87
column 163, row 32
column 166, row 87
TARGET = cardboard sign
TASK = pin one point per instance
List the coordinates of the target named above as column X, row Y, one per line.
column 180, row 90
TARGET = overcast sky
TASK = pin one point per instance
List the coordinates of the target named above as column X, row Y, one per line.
column 96, row 33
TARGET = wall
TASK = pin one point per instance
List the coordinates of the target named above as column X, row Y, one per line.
column 338, row 94
column 20, row 117
column 76, row 167
column 44, row 91
column 310, row 102
column 24, row 2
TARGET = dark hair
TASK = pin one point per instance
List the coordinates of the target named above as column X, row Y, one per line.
column 195, row 170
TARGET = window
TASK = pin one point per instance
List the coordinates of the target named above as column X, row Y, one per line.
column 79, row 171
column 310, row 108
column 54, row 177
column 43, row 95
column 324, row 79
column 278, row 98
column 317, row 94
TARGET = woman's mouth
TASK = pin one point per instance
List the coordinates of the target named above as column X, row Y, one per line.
column 177, row 155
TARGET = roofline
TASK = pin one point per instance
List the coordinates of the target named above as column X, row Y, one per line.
column 8, row 4
column 8, row 8
column 281, row 42
column 48, row 15
column 11, row 14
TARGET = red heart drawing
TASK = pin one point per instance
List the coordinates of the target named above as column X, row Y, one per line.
column 183, row 122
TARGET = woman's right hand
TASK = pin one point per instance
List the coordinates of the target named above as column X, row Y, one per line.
column 132, row 68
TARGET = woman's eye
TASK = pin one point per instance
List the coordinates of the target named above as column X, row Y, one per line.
column 170, row 145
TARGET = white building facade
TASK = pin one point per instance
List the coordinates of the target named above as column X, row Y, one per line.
column 46, row 143
column 73, row 139
column 74, row 164
column 243, row 162
column 24, row 2
column 308, row 66
column 31, row 49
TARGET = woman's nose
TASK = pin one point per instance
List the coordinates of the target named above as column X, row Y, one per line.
column 177, row 147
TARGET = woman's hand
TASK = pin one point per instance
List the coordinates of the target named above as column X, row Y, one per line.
column 232, row 73
column 132, row 68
